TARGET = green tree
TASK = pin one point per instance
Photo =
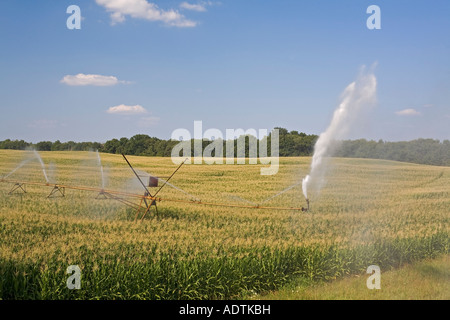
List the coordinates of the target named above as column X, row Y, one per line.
column 44, row 146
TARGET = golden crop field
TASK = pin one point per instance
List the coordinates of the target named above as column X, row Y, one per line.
column 368, row 212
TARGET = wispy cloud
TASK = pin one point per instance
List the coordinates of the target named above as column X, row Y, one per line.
column 199, row 6
column 91, row 80
column 143, row 9
column 194, row 7
column 408, row 112
column 127, row 110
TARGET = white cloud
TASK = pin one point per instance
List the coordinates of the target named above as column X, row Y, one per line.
column 408, row 112
column 143, row 9
column 193, row 7
column 90, row 80
column 127, row 110
column 199, row 6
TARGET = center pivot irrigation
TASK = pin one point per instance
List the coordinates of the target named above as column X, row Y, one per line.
column 147, row 200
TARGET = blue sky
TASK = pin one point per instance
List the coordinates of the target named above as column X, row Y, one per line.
column 155, row 66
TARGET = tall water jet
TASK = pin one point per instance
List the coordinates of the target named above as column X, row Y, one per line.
column 101, row 170
column 42, row 165
column 357, row 97
column 305, row 185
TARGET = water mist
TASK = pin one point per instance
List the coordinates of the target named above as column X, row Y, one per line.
column 358, row 97
column 99, row 162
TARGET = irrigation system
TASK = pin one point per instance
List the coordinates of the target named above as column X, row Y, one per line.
column 142, row 203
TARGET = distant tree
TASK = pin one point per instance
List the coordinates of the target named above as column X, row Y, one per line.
column 44, row 146
column 111, row 146
column 57, row 146
column 137, row 144
column 294, row 143
column 122, row 145
column 14, row 144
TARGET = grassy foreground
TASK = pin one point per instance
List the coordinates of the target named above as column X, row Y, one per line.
column 369, row 212
column 424, row 280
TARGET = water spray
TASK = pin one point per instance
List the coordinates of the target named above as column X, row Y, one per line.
column 305, row 193
column 280, row 193
column 17, row 168
column 147, row 200
column 357, row 97
column 101, row 169
column 102, row 194
column 175, row 187
column 42, row 164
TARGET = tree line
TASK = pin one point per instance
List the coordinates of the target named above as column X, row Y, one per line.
column 291, row 144
column 422, row 151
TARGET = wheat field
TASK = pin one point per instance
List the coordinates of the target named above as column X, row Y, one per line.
column 368, row 212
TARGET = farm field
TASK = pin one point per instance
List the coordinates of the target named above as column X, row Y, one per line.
column 368, row 212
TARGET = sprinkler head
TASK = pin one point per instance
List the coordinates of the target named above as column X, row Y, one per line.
column 307, row 206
